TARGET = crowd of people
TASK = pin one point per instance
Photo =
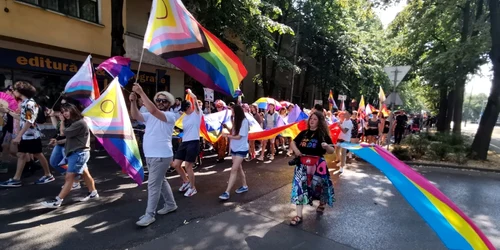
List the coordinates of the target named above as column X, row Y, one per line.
column 164, row 151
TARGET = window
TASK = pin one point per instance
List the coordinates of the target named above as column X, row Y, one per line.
column 83, row 9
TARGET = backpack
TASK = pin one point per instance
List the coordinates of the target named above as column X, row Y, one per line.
column 41, row 118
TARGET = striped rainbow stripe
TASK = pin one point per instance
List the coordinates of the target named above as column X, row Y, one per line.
column 219, row 69
column 453, row 227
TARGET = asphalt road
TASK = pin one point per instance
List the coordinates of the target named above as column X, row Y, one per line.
column 471, row 129
column 109, row 223
column 369, row 212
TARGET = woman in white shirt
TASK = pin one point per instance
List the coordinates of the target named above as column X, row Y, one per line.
column 239, row 150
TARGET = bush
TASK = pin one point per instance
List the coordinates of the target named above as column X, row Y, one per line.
column 401, row 153
column 460, row 154
column 417, row 145
column 439, row 151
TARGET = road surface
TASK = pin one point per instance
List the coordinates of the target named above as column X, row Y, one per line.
column 369, row 212
column 471, row 129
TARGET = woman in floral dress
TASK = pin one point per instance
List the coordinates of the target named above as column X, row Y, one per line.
column 311, row 179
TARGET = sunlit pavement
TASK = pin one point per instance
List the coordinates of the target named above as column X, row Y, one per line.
column 471, row 129
column 369, row 212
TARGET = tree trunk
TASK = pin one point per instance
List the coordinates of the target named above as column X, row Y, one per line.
column 459, row 104
column 462, row 70
column 265, row 86
column 451, row 108
column 306, row 81
column 482, row 140
column 443, row 109
column 117, row 29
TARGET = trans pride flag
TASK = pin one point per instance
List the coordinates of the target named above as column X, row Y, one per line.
column 177, row 37
column 109, row 121
column 453, row 227
column 83, row 85
column 118, row 66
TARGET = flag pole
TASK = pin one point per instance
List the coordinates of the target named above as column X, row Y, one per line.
column 139, row 68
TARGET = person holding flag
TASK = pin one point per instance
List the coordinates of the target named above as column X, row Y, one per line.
column 157, row 147
column 190, row 146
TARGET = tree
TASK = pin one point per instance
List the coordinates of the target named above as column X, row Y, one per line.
column 482, row 140
column 444, row 41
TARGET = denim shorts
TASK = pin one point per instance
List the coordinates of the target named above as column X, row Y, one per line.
column 241, row 154
column 77, row 161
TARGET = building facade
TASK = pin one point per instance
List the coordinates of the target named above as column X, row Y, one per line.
column 159, row 74
column 46, row 41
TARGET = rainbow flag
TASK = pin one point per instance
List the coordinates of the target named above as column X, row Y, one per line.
column 118, row 66
column 453, row 227
column 217, row 67
column 331, row 101
column 109, row 121
column 172, row 31
column 83, row 85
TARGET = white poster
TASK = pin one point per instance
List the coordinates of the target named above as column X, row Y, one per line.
column 320, row 102
column 209, row 94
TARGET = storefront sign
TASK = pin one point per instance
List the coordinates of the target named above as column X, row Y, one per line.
column 14, row 59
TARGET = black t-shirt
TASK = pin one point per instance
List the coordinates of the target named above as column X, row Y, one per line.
column 309, row 142
column 401, row 121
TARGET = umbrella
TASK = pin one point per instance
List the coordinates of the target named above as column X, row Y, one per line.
column 286, row 104
column 263, row 101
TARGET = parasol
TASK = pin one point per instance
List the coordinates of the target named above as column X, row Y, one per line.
column 264, row 101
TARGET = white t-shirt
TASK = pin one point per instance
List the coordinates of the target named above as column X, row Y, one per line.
column 346, row 136
column 191, row 127
column 157, row 140
column 241, row 145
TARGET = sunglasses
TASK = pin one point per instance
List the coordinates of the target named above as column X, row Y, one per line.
column 161, row 100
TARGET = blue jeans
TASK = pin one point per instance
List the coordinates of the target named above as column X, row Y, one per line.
column 77, row 161
column 56, row 158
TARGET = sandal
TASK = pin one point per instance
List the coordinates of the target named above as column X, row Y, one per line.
column 295, row 221
column 321, row 208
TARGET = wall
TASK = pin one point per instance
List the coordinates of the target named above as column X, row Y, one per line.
column 38, row 25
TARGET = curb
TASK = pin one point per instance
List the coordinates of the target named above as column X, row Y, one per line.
column 412, row 163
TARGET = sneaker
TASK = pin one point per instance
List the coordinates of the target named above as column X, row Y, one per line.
column 190, row 192
column 45, row 179
column 75, row 186
column 145, row 221
column 54, row 203
column 11, row 183
column 171, row 170
column 224, row 196
column 271, row 157
column 166, row 210
column 90, row 195
column 242, row 189
column 185, row 186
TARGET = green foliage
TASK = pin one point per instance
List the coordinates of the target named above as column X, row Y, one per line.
column 401, row 153
column 437, row 147
column 417, row 144
column 443, row 41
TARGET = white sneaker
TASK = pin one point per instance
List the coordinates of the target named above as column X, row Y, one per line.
column 54, row 203
column 166, row 210
column 145, row 221
column 185, row 186
column 92, row 195
column 190, row 192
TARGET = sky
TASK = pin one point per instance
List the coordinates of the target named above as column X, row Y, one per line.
column 478, row 83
